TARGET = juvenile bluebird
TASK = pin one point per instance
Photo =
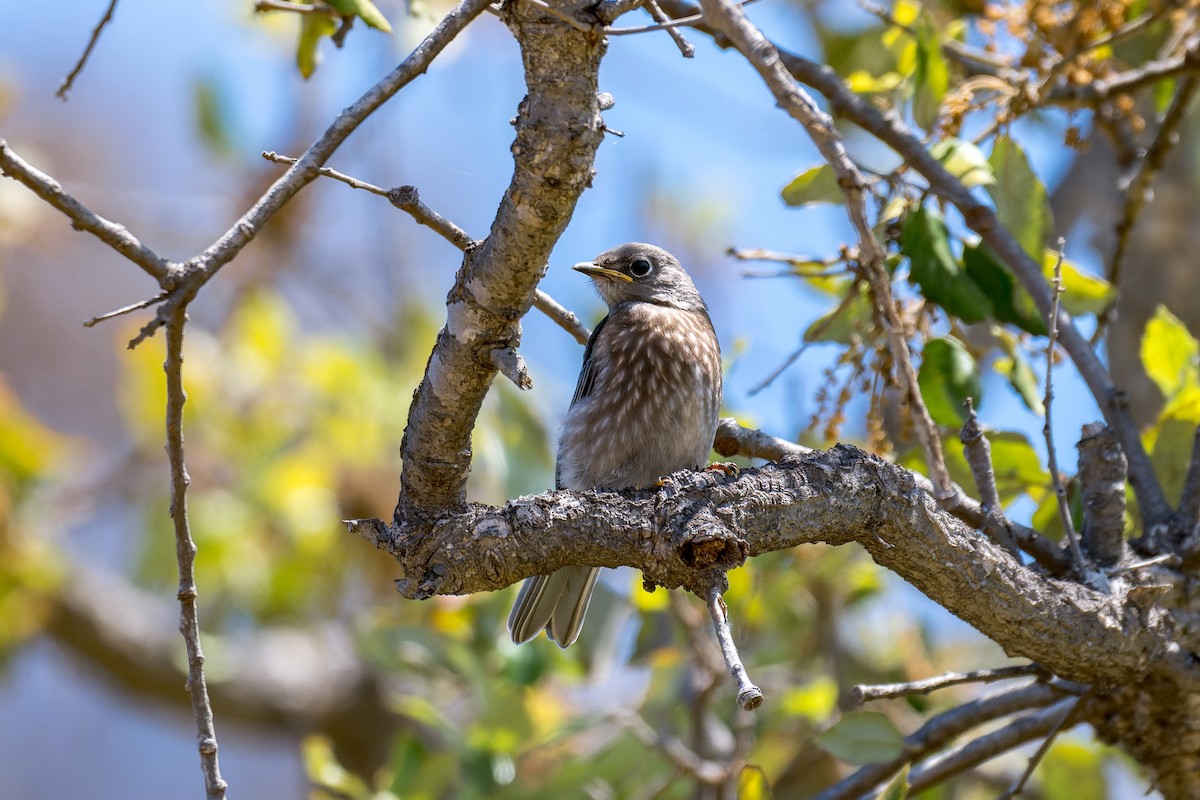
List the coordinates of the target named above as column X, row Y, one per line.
column 645, row 406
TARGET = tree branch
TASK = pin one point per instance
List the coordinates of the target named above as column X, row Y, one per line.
column 750, row 42
column 705, row 522
column 498, row 280
column 69, row 81
column 939, row 732
column 185, row 552
column 1016, row 733
column 82, row 218
column 1102, row 470
column 889, row 128
column 863, row 694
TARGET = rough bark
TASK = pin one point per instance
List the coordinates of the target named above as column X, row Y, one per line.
column 558, row 132
column 696, row 523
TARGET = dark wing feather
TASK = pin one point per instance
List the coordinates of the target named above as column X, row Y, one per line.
column 587, row 379
column 587, row 373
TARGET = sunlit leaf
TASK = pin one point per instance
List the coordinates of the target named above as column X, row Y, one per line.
column 753, row 784
column 814, row 700
column 814, row 185
column 1082, row 293
column 863, row 82
column 1169, row 353
column 897, row 788
column 1020, row 197
column 844, row 322
column 1072, row 769
column 1024, row 381
column 324, row 770
column 863, row 737
column 948, row 376
column 932, row 76
column 313, row 27
column 924, row 239
column 364, row 10
column 964, row 161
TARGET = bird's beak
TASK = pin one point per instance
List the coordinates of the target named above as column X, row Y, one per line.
column 593, row 271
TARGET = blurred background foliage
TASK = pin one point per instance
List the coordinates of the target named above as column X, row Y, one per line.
column 300, row 367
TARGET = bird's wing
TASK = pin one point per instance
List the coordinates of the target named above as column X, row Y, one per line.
column 587, row 381
column 587, row 373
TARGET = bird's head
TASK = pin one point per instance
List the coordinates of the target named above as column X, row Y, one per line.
column 638, row 272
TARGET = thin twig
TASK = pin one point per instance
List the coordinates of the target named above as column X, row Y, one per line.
column 567, row 18
column 986, row 747
column 82, row 218
column 863, row 694
column 138, row 306
column 978, row 452
column 1040, row 753
column 749, row 696
column 660, row 16
column 688, row 21
column 1169, row 559
column 561, row 316
column 510, row 364
column 709, row 773
column 185, row 553
column 87, row 52
column 407, row 199
column 320, row 9
column 1060, row 491
column 939, row 731
column 733, row 440
column 759, row 254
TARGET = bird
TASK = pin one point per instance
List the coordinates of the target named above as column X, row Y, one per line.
column 645, row 406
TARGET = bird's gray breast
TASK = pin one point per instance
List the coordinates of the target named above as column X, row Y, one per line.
column 653, row 406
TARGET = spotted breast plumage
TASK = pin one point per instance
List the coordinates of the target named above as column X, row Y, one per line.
column 645, row 406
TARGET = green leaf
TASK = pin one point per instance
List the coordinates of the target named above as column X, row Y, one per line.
column 843, row 323
column 1174, row 435
column 1024, row 381
column 923, row 238
column 897, row 789
column 1016, row 463
column 1010, row 302
column 948, row 376
column 1072, row 769
column 964, row 161
column 863, row 737
column 312, row 28
column 1082, row 293
column 1020, row 197
column 932, row 77
column 364, row 10
column 815, row 185
column 1169, row 353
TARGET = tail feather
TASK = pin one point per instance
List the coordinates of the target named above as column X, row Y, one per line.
column 555, row 602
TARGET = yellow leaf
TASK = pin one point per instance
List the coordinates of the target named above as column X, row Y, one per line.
column 1169, row 354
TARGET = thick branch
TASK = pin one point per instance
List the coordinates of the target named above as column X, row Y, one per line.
column 558, row 132
column 700, row 522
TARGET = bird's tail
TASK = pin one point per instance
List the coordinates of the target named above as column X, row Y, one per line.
column 555, row 602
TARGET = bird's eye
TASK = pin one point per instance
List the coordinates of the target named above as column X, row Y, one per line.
column 639, row 268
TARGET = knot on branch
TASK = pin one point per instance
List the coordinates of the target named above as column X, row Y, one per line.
column 707, row 543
